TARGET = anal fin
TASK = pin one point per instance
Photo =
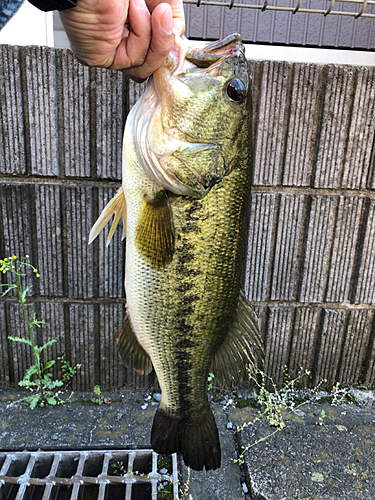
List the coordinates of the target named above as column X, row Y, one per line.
column 155, row 231
column 117, row 207
column 242, row 347
column 130, row 350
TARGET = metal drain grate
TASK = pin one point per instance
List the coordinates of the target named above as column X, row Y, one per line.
column 85, row 475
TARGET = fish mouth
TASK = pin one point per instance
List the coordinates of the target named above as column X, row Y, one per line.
column 215, row 51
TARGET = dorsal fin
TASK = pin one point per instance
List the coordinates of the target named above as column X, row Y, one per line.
column 131, row 351
column 242, row 347
column 116, row 206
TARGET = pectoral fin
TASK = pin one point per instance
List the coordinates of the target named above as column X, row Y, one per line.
column 242, row 347
column 155, row 232
column 130, row 350
column 116, row 206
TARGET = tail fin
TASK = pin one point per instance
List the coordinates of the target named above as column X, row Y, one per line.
column 197, row 441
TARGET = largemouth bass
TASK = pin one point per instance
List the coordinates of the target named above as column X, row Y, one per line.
column 187, row 168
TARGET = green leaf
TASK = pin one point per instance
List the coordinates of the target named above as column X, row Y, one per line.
column 9, row 289
column 38, row 323
column 28, row 384
column 51, row 401
column 51, row 384
column 24, row 294
column 32, row 370
column 33, row 401
column 49, row 364
column 20, row 339
column 57, row 383
column 48, row 343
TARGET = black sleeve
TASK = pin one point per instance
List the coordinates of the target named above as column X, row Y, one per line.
column 47, row 5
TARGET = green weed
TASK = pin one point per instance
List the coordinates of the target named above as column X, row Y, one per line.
column 245, row 403
column 210, row 380
column 272, row 401
column 99, row 399
column 37, row 378
column 67, row 370
column 165, row 492
column 164, row 462
column 322, row 416
column 119, row 469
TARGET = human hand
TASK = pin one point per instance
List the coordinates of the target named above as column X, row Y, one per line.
column 134, row 36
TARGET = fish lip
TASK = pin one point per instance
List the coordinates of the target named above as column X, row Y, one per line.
column 207, row 56
column 217, row 50
column 232, row 39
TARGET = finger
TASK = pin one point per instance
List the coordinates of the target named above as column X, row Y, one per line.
column 178, row 17
column 95, row 30
column 177, row 13
column 162, row 42
column 133, row 48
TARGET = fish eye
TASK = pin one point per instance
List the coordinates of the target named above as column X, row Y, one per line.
column 236, row 90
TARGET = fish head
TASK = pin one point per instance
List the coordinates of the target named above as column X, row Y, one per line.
column 200, row 123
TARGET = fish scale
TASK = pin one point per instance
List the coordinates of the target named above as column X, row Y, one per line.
column 187, row 168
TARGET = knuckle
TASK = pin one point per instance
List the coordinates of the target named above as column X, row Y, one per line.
column 138, row 60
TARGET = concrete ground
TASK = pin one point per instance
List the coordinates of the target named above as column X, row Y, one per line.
column 324, row 452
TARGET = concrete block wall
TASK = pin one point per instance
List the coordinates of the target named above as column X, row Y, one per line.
column 310, row 264
column 310, row 270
